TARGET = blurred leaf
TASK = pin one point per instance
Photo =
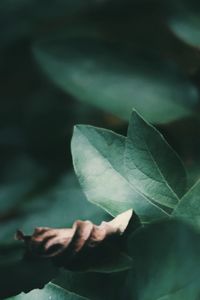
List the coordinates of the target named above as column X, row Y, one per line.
column 98, row 162
column 20, row 177
column 184, row 20
column 188, row 208
column 166, row 262
column 117, row 79
column 51, row 291
column 151, row 165
column 58, row 206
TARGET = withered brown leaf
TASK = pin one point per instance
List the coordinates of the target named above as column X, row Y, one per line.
column 50, row 242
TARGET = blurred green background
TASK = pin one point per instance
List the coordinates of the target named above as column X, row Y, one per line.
column 72, row 61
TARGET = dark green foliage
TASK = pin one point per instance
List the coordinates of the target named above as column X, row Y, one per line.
column 101, row 62
column 166, row 264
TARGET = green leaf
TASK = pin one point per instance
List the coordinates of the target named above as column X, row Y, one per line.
column 98, row 162
column 188, row 208
column 51, row 291
column 151, row 165
column 166, row 262
column 117, row 80
column 184, row 20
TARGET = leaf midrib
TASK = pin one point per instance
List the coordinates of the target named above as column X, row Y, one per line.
column 156, row 165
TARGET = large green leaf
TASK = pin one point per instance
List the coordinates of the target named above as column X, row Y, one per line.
column 117, row 80
column 184, row 20
column 166, row 262
column 188, row 208
column 98, row 156
column 51, row 291
column 151, row 165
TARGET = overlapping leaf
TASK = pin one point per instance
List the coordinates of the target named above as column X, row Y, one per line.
column 98, row 162
column 188, row 208
column 153, row 174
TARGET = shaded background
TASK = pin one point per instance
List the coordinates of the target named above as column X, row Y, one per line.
column 92, row 61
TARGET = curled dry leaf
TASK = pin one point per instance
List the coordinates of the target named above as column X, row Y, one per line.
column 51, row 242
